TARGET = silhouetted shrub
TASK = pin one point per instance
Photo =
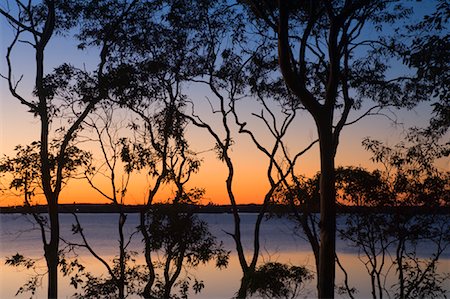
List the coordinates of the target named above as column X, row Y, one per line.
column 276, row 280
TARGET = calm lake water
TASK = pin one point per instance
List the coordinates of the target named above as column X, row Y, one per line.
column 278, row 243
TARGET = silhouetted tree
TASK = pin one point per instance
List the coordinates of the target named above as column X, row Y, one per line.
column 67, row 92
column 410, row 179
column 230, row 74
column 358, row 187
column 157, row 65
column 184, row 241
column 41, row 22
column 177, row 234
column 107, row 287
column 164, row 154
column 281, row 166
column 24, row 173
column 105, row 129
column 330, row 66
column 171, row 231
column 411, row 171
column 226, row 75
column 276, row 280
column 125, row 277
column 301, row 194
column 428, row 53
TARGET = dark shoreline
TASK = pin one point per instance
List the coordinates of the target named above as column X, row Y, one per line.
column 212, row 209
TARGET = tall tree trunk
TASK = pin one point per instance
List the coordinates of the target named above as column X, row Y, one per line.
column 326, row 273
column 51, row 251
column 51, row 248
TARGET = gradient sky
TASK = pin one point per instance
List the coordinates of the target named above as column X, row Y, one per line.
column 17, row 126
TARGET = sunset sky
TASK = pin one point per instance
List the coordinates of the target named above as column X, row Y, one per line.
column 17, row 126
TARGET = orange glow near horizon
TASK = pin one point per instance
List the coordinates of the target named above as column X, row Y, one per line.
column 250, row 182
column 18, row 126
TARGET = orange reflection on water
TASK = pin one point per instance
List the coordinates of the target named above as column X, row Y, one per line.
column 218, row 283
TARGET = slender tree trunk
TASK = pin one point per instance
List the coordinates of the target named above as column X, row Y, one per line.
column 250, row 270
column 121, row 286
column 147, row 293
column 399, row 260
column 372, row 282
column 326, row 273
column 242, row 292
column 307, row 228
column 51, row 251
column 51, row 248
column 311, row 238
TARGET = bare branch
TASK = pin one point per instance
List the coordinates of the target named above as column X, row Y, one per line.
column 91, row 250
column 8, row 77
column 19, row 24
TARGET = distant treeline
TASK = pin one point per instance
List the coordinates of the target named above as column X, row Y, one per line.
column 244, row 208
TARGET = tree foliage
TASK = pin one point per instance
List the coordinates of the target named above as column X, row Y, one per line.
column 184, row 241
column 276, row 280
column 411, row 171
column 25, row 167
column 335, row 58
column 410, row 179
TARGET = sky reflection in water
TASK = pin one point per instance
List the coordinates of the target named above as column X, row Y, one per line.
column 277, row 244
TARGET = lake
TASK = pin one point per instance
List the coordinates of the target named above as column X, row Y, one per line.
column 278, row 244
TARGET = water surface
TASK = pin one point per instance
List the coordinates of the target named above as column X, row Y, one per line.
column 281, row 241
